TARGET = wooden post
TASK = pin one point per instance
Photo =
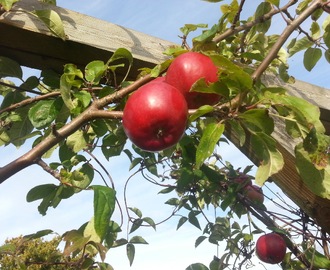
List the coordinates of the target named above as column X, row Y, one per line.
column 30, row 43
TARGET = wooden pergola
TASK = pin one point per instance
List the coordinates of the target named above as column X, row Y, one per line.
column 28, row 41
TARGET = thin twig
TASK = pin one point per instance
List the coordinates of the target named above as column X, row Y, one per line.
column 18, row 88
column 283, row 38
column 249, row 25
column 28, row 101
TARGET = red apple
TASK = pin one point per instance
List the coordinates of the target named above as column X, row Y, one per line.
column 155, row 116
column 253, row 193
column 187, row 69
column 243, row 180
column 271, row 248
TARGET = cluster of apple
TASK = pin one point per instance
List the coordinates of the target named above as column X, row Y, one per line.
column 155, row 118
column 271, row 247
column 155, row 115
column 251, row 192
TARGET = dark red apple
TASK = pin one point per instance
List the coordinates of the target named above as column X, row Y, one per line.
column 187, row 69
column 155, row 116
column 243, row 180
column 271, row 248
column 253, row 193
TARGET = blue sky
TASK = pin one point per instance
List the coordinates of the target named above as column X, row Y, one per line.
column 168, row 249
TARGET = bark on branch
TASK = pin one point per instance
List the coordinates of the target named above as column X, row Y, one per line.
column 93, row 112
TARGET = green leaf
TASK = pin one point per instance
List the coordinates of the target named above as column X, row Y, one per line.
column 21, row 129
column 317, row 145
column 239, row 131
column 211, row 135
column 197, row 266
column 302, row 6
column 318, row 259
column 274, row 2
column 311, row 57
column 52, row 20
column 122, row 53
column 301, row 44
column 94, row 71
column 130, row 251
column 138, row 240
column 327, row 55
column 7, row 4
column 105, row 266
column 84, row 98
column 166, row 190
column 136, row 211
column 199, row 240
column 160, row 68
column 231, row 73
column 38, row 234
column 90, row 231
column 75, row 241
column 262, row 9
column 120, row 242
column 307, row 114
column 136, row 224
column 193, row 220
column 326, row 36
column 187, row 28
column 200, row 112
column 44, row 112
column 318, row 181
column 104, row 205
column 114, row 142
column 77, row 141
column 40, row 192
column 271, row 160
column 65, row 90
column 207, row 35
column 258, row 120
column 315, row 30
column 30, row 83
column 10, row 68
column 230, row 11
column 150, row 221
column 173, row 201
column 182, row 220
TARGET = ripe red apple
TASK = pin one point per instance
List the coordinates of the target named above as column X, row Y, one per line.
column 253, row 193
column 155, row 116
column 243, row 180
column 187, row 69
column 271, row 248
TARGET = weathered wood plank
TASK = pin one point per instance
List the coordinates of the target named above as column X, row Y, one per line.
column 30, row 43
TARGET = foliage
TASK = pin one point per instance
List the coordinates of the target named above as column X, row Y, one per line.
column 71, row 115
column 33, row 253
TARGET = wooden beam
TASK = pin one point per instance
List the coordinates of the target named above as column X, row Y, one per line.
column 29, row 42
